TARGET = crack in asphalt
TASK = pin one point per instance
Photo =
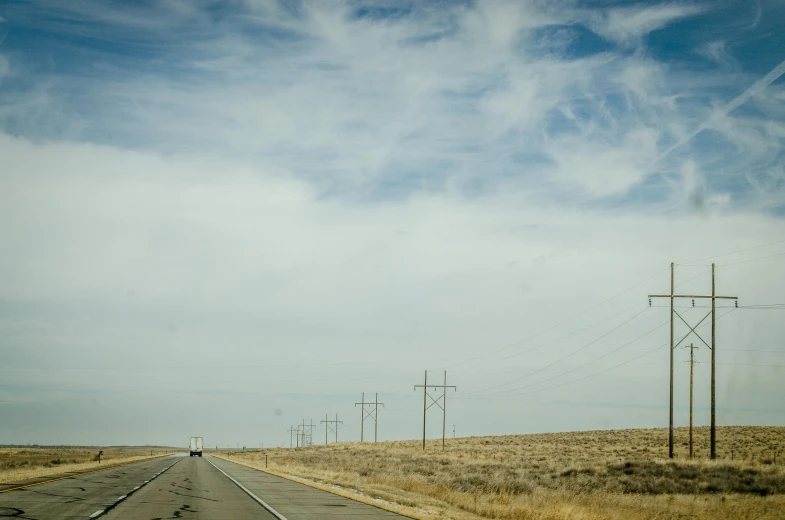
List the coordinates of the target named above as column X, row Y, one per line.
column 70, row 499
column 178, row 513
column 193, row 496
column 17, row 513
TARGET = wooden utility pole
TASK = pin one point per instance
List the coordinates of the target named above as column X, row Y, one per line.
column 376, row 418
column 434, row 401
column 362, row 417
column 713, row 434
column 711, row 347
column 692, row 373
column 368, row 412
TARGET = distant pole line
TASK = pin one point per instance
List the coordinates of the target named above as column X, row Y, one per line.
column 367, row 412
column 712, row 347
column 292, row 431
column 334, row 428
column 434, row 401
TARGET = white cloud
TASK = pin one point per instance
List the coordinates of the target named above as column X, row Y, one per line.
column 5, row 67
column 629, row 25
column 718, row 52
column 601, row 169
column 136, row 256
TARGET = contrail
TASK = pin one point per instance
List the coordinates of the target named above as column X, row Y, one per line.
column 742, row 98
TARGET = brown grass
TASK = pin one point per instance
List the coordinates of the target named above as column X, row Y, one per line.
column 22, row 463
column 621, row 474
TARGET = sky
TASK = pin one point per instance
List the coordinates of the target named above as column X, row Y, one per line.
column 226, row 218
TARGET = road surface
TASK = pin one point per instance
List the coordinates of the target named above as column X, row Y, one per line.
column 182, row 488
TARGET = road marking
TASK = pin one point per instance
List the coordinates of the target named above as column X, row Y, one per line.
column 264, row 504
column 79, row 474
column 101, row 512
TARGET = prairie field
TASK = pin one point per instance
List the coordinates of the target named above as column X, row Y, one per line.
column 27, row 462
column 617, row 474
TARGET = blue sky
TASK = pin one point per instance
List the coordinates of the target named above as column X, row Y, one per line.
column 315, row 184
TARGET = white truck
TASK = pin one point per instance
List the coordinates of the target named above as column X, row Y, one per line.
column 196, row 446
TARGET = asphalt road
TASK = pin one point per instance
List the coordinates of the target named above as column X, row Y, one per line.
column 182, row 488
column 80, row 496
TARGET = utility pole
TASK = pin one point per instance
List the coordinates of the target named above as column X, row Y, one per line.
column 331, row 428
column 307, row 434
column 711, row 347
column 453, row 431
column 367, row 413
column 434, row 401
column 292, row 431
column 692, row 373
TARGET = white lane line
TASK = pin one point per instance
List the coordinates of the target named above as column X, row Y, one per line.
column 264, row 504
column 120, row 499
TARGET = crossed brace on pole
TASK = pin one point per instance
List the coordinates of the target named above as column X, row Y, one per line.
column 369, row 413
column 434, row 401
column 328, row 428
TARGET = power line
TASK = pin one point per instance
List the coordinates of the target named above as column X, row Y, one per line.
column 601, row 371
column 752, row 260
column 515, row 343
column 755, row 350
column 594, row 360
column 734, row 252
column 563, row 358
column 563, row 337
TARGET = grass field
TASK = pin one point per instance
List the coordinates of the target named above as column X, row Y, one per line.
column 623, row 474
column 21, row 463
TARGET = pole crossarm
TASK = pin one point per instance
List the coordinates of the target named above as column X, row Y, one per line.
column 693, row 296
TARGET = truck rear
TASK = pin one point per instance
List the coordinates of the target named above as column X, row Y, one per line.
column 196, row 446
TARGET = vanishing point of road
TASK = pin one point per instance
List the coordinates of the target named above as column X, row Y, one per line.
column 179, row 487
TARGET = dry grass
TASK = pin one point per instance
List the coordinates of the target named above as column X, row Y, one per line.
column 22, row 463
column 620, row 474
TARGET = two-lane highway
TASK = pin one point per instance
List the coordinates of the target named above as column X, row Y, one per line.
column 193, row 489
column 182, row 488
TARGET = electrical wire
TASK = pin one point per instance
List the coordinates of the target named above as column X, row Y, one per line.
column 537, row 347
column 594, row 360
column 734, row 252
column 601, row 371
column 752, row 260
column 515, row 343
column 520, row 378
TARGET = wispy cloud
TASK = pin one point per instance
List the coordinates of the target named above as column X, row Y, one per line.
column 629, row 25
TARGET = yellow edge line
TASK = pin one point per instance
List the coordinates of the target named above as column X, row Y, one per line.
column 78, row 474
column 310, row 485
